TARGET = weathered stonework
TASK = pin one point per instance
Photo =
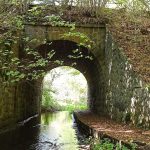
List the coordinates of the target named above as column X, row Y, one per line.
column 19, row 102
column 127, row 97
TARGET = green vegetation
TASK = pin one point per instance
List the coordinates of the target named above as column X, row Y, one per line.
column 15, row 69
column 14, row 14
column 51, row 104
column 106, row 144
column 68, row 97
column 72, row 107
column 48, row 102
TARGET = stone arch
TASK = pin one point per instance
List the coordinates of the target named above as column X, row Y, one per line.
column 63, row 49
column 90, row 68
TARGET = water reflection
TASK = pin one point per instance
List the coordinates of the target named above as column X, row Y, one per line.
column 55, row 131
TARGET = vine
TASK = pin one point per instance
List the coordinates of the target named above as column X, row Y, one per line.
column 14, row 69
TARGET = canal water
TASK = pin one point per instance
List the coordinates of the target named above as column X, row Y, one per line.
column 52, row 131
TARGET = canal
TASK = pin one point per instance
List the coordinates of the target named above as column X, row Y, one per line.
column 51, row 131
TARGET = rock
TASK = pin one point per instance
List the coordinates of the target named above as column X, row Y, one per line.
column 146, row 147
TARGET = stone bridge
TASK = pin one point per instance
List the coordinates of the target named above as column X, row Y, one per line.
column 114, row 90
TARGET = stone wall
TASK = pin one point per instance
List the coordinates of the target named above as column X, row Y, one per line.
column 127, row 97
column 7, row 95
column 18, row 102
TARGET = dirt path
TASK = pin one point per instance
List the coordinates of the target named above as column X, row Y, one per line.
column 123, row 132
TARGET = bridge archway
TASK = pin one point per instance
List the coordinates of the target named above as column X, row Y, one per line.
column 112, row 81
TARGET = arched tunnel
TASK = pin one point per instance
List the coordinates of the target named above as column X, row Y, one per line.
column 112, row 83
column 71, row 54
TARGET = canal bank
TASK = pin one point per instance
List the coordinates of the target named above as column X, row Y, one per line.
column 100, row 127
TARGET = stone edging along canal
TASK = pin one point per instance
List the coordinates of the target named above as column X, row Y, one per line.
column 92, row 125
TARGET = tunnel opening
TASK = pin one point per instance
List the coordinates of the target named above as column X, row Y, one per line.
column 64, row 89
column 69, row 53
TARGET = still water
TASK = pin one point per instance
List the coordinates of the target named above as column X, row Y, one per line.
column 52, row 131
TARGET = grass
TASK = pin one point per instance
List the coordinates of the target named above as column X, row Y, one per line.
column 72, row 107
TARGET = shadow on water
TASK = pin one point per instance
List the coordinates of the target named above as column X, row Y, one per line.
column 53, row 131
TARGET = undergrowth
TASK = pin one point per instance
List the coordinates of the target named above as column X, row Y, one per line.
column 50, row 104
column 106, row 144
